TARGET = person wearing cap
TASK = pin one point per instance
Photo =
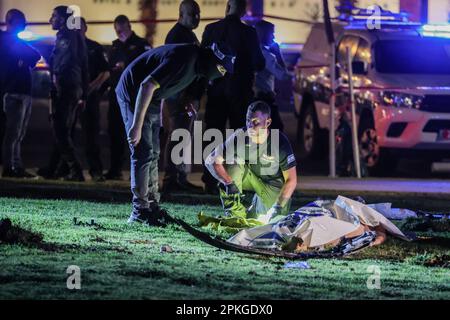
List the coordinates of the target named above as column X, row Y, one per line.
column 18, row 59
column 228, row 98
column 156, row 75
column 180, row 111
column 259, row 160
column 275, row 69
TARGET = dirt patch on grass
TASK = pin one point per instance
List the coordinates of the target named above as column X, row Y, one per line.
column 399, row 250
column 11, row 234
column 426, row 224
column 187, row 282
column 442, row 242
column 15, row 235
column 99, row 240
column 6, row 279
column 144, row 273
column 141, row 241
column 431, row 260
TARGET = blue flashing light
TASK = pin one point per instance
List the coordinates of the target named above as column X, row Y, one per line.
column 26, row 35
column 275, row 40
column 371, row 13
column 291, row 47
column 29, row 36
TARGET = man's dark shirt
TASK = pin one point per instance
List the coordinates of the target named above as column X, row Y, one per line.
column 177, row 35
column 173, row 67
column 69, row 61
column 125, row 52
column 180, row 34
column 259, row 157
column 97, row 59
column 17, row 58
column 243, row 40
column 2, row 66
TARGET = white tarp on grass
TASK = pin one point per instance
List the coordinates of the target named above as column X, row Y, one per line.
column 316, row 224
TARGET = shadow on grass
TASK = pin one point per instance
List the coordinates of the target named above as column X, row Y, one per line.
column 427, row 251
column 432, row 251
column 15, row 235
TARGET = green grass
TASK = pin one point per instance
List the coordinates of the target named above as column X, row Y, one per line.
column 119, row 261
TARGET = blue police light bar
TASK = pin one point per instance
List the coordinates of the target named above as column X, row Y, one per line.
column 26, row 35
column 291, row 47
column 381, row 15
column 365, row 17
column 435, row 30
column 30, row 36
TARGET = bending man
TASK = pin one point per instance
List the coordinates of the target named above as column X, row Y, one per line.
column 156, row 75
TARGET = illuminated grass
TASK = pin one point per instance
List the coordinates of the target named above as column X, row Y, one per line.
column 119, row 261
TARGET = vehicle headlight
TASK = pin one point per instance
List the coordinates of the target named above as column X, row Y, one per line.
column 401, row 100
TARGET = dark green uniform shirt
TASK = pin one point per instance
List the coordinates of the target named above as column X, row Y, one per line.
column 267, row 161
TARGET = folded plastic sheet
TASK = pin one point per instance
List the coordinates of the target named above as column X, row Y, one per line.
column 227, row 224
column 393, row 213
column 317, row 224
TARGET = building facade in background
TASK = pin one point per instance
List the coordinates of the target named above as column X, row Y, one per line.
column 438, row 11
column 286, row 31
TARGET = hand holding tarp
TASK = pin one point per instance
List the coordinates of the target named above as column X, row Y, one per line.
column 232, row 189
column 272, row 213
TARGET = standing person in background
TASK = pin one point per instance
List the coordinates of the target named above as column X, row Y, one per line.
column 275, row 69
column 188, row 20
column 90, row 117
column 2, row 79
column 228, row 98
column 70, row 75
column 18, row 58
column 183, row 107
column 124, row 50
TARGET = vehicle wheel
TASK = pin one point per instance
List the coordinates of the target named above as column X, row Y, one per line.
column 310, row 137
column 377, row 160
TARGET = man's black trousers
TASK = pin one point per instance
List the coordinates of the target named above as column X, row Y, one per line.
column 64, row 116
column 117, row 136
column 221, row 107
column 90, row 121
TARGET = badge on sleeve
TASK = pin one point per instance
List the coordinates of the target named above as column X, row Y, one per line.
column 291, row 159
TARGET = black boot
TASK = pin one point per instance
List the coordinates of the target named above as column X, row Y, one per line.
column 75, row 173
